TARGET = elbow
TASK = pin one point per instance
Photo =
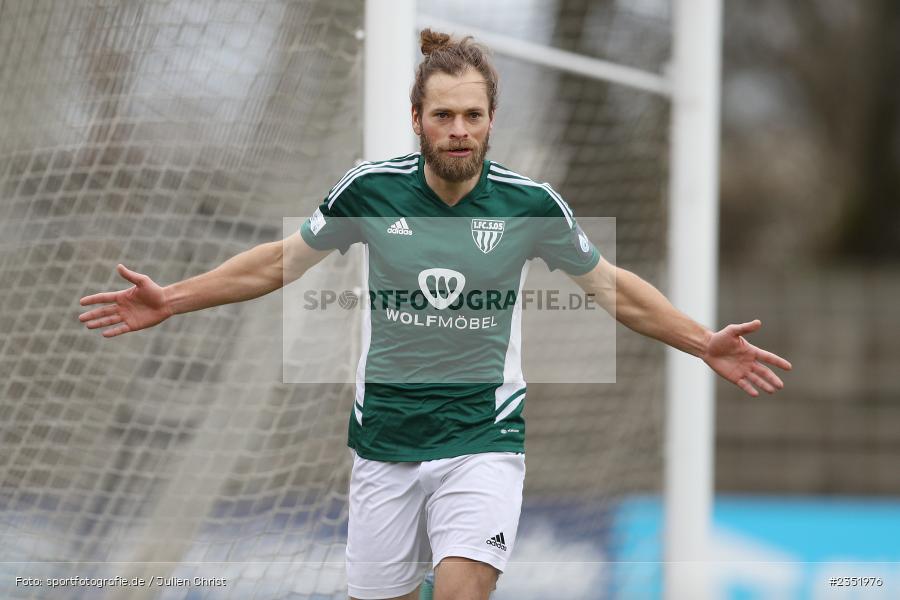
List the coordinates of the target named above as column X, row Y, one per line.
column 277, row 254
column 267, row 268
column 276, row 264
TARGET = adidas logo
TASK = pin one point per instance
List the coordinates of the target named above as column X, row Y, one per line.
column 400, row 228
column 498, row 540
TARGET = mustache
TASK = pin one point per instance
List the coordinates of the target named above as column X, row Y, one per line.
column 454, row 147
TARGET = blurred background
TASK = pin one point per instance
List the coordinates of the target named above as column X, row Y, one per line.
column 810, row 239
column 172, row 134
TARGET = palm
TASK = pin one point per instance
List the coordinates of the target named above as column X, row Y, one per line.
column 138, row 307
column 742, row 363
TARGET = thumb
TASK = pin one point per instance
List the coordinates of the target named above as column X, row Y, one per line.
column 132, row 276
column 750, row 327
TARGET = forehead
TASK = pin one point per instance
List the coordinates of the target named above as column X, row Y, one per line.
column 466, row 90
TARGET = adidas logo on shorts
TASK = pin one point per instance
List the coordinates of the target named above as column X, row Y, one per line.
column 400, row 228
column 498, row 541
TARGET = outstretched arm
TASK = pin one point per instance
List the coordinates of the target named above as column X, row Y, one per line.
column 642, row 308
column 248, row 275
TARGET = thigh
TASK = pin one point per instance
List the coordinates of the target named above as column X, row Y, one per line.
column 458, row 577
column 474, row 512
column 413, row 595
column 387, row 543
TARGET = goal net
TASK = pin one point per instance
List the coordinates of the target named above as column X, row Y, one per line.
column 170, row 135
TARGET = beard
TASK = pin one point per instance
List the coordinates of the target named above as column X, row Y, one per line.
column 453, row 168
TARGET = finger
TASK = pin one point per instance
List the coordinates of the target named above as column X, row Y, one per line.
column 132, row 276
column 749, row 327
column 767, row 374
column 101, row 298
column 114, row 331
column 761, row 383
column 745, row 385
column 772, row 359
column 104, row 322
column 103, row 311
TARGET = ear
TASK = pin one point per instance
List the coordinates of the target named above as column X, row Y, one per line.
column 491, row 124
column 416, row 121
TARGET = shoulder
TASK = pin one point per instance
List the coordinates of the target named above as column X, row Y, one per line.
column 544, row 200
column 369, row 172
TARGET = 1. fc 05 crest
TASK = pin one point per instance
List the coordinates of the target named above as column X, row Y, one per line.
column 487, row 233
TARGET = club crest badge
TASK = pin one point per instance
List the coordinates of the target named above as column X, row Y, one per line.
column 487, row 233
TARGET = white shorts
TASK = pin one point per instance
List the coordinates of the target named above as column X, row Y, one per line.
column 407, row 516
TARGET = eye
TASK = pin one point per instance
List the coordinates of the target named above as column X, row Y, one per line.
column 474, row 115
column 441, row 114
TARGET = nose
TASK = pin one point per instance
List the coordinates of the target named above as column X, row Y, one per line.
column 458, row 129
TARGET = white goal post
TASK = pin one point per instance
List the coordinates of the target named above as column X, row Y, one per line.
column 693, row 261
column 693, row 86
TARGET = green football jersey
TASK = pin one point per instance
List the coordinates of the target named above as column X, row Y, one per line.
column 440, row 372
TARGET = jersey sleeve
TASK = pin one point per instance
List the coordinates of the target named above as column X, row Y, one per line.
column 561, row 242
column 334, row 225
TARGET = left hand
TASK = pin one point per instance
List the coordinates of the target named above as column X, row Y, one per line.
column 740, row 362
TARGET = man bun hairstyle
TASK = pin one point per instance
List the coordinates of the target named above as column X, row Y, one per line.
column 443, row 54
column 433, row 40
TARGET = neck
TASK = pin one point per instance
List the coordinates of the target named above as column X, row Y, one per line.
column 451, row 192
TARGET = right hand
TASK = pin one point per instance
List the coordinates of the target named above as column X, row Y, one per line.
column 141, row 306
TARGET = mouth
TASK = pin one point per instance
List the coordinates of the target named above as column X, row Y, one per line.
column 460, row 152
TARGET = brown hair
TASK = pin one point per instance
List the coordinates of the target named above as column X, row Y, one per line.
column 443, row 54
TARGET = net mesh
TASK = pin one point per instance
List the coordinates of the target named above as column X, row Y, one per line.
column 170, row 135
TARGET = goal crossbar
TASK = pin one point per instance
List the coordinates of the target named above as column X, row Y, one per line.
column 555, row 58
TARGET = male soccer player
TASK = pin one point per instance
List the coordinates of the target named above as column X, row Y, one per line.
column 438, row 439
